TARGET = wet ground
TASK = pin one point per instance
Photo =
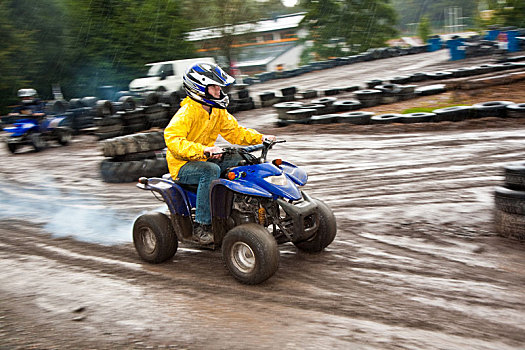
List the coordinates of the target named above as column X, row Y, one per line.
column 416, row 263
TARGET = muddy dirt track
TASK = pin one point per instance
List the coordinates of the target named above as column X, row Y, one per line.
column 416, row 263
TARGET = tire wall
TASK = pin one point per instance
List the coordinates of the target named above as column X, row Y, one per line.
column 509, row 212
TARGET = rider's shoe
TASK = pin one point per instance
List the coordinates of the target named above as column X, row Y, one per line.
column 202, row 233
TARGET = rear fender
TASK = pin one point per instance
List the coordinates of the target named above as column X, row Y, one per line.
column 174, row 195
column 60, row 122
column 221, row 198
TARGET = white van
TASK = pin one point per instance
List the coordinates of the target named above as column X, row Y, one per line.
column 165, row 76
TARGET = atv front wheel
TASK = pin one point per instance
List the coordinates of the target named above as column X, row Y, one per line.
column 250, row 253
column 154, row 237
column 12, row 147
column 325, row 233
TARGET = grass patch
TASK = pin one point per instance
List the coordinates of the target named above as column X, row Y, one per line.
column 424, row 109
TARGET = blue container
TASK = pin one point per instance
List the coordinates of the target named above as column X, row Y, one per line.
column 457, row 49
column 434, row 44
column 492, row 35
column 512, row 38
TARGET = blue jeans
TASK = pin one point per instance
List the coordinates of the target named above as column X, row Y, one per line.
column 202, row 174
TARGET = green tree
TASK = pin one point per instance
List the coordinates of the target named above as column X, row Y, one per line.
column 412, row 11
column 423, row 29
column 355, row 24
column 110, row 41
column 17, row 57
column 511, row 13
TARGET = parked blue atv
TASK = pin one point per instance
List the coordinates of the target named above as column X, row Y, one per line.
column 37, row 130
column 255, row 206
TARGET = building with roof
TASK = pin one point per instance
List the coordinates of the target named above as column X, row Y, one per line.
column 267, row 45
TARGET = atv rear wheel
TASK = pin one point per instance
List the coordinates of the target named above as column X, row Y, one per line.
column 64, row 137
column 326, row 232
column 154, row 237
column 37, row 141
column 250, row 253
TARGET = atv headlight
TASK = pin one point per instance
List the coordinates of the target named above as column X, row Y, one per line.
column 278, row 180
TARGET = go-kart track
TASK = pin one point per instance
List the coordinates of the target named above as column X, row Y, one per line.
column 416, row 263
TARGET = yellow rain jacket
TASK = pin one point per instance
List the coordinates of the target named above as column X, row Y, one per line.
column 192, row 129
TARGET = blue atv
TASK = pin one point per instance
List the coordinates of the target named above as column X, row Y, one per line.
column 255, row 206
column 37, row 130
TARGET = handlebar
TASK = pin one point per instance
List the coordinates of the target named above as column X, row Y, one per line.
column 245, row 151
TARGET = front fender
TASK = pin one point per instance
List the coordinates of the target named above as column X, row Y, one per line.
column 295, row 173
column 22, row 127
column 244, row 187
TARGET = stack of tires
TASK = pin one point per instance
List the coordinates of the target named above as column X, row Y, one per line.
column 270, row 98
column 130, row 114
column 106, row 122
column 131, row 156
column 81, row 112
column 509, row 215
column 240, row 99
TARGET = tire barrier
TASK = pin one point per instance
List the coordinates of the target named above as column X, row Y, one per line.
column 56, row 107
column 108, row 127
column 133, row 121
column 324, row 119
column 132, row 156
column 308, row 94
column 386, row 118
column 509, row 213
column 371, row 54
column 107, row 119
column 430, row 90
column 439, row 75
column 104, row 108
column 326, row 101
column 515, row 176
column 135, row 143
column 369, row 97
column 357, row 118
column 407, row 92
column 390, row 87
column 317, row 108
column 390, row 93
column 240, row 100
column 127, row 103
column 332, row 91
column 284, row 107
column 82, row 119
column 418, row 117
column 114, row 171
column 304, row 113
column 152, row 98
column 452, row 114
column 516, row 110
column 156, row 116
column 491, row 109
column 371, row 84
column 346, row 105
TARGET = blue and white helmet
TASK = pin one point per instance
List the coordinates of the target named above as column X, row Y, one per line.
column 201, row 75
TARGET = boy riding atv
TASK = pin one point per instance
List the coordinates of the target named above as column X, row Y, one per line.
column 228, row 198
column 30, row 104
column 193, row 158
column 31, row 125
